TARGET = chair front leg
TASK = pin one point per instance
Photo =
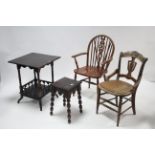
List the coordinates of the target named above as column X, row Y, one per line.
column 97, row 81
column 133, row 103
column 75, row 76
column 116, row 100
column 119, row 110
column 98, row 100
column 89, row 82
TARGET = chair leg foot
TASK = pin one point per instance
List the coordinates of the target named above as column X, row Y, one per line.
column 20, row 99
column 97, row 108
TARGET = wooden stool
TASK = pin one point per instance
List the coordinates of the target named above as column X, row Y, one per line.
column 66, row 87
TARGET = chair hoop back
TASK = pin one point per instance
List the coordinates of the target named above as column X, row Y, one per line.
column 101, row 48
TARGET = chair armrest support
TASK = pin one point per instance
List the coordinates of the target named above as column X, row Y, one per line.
column 135, row 86
column 111, row 75
column 77, row 55
column 106, row 62
column 105, row 65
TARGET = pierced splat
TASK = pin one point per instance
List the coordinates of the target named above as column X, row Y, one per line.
column 101, row 49
column 131, row 66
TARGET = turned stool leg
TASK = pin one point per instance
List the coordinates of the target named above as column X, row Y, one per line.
column 79, row 97
column 68, row 109
column 52, row 103
column 64, row 101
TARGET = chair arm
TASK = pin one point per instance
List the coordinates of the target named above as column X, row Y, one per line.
column 106, row 62
column 77, row 55
column 111, row 75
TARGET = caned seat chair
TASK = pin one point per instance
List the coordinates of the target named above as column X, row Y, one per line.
column 124, row 88
column 98, row 57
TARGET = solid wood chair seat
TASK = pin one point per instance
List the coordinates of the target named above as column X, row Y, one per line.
column 99, row 55
column 116, row 87
column 93, row 72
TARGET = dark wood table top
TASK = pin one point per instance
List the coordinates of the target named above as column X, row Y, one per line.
column 66, row 84
column 34, row 60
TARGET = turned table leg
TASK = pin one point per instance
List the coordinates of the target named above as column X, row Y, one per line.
column 35, row 78
column 39, row 89
column 52, row 71
column 20, row 83
column 79, row 98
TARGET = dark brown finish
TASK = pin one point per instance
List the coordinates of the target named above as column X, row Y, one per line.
column 120, row 89
column 34, row 60
column 36, row 88
column 98, row 57
column 66, row 87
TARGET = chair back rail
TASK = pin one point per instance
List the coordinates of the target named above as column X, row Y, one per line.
column 133, row 57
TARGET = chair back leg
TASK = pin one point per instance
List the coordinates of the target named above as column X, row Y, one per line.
column 75, row 76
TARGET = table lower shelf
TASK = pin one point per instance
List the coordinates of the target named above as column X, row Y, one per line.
column 35, row 90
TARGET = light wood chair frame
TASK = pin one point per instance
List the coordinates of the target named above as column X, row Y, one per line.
column 119, row 98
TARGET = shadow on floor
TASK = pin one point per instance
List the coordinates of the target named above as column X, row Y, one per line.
column 75, row 114
column 131, row 121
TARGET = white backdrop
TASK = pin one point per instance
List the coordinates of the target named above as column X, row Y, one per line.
column 66, row 41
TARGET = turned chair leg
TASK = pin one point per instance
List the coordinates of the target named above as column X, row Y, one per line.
column 133, row 103
column 104, row 77
column 98, row 100
column 75, row 76
column 97, row 81
column 116, row 100
column 119, row 110
column 89, row 82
